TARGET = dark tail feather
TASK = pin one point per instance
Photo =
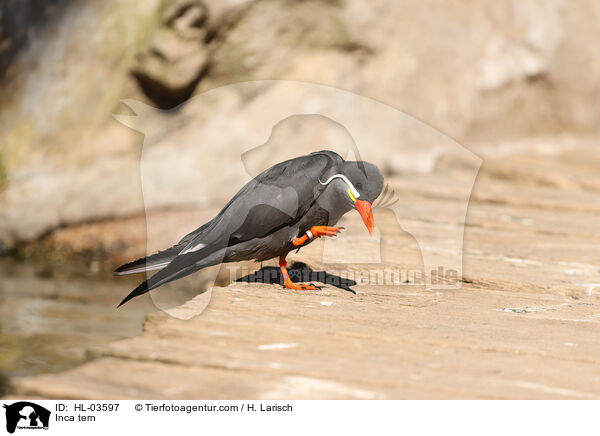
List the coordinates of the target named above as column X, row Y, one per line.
column 140, row 290
column 162, row 258
column 150, row 263
column 165, row 275
column 181, row 266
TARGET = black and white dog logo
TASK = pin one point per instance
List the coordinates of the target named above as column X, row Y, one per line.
column 26, row 415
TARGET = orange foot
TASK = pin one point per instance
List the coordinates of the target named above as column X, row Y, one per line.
column 299, row 286
column 317, row 231
column 287, row 282
column 324, row 231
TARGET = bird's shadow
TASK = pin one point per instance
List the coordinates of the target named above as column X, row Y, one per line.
column 299, row 272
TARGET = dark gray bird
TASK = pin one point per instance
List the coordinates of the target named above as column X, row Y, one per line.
column 284, row 208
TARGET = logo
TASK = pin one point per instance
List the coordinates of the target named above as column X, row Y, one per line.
column 26, row 415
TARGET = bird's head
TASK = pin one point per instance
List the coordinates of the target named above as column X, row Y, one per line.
column 359, row 184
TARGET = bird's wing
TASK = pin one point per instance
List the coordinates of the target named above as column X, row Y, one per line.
column 276, row 198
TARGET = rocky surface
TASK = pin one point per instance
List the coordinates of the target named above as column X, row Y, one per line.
column 19, row 19
column 523, row 325
column 516, row 82
column 481, row 71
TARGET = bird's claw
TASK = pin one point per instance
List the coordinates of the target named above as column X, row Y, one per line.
column 318, row 231
column 308, row 287
column 301, row 286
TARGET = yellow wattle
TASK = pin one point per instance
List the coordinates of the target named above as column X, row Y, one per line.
column 351, row 195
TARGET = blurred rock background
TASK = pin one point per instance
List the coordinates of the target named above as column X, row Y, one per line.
column 481, row 72
column 515, row 81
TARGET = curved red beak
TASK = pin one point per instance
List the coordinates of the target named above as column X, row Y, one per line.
column 364, row 209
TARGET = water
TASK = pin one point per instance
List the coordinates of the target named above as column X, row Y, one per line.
column 48, row 318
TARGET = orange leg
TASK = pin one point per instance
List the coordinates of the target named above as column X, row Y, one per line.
column 288, row 282
column 317, row 231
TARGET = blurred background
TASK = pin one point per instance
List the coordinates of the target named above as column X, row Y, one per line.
column 503, row 78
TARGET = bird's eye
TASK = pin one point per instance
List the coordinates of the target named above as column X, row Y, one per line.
column 358, row 186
